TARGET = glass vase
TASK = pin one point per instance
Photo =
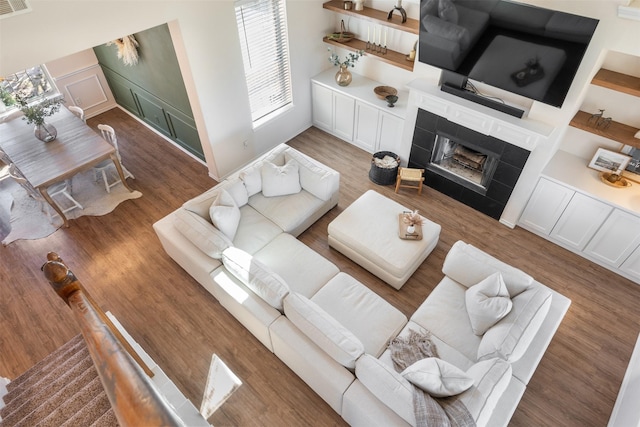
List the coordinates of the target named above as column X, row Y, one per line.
column 45, row 132
column 343, row 76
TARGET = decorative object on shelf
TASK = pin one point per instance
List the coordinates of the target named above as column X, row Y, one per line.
column 637, row 135
column 127, row 49
column 343, row 76
column 614, row 180
column 371, row 43
column 348, row 4
column 412, row 55
column 609, row 161
column 358, row 5
column 400, row 9
column 599, row 120
column 36, row 112
column 342, row 36
column 383, row 91
column 391, row 99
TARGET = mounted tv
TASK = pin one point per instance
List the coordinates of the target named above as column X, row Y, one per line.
column 523, row 49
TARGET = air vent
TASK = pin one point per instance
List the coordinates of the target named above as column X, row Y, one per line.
column 13, row 7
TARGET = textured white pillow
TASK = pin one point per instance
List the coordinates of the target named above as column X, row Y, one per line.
column 201, row 233
column 336, row 340
column 437, row 377
column 225, row 215
column 280, row 180
column 259, row 278
column 252, row 179
column 319, row 181
column 238, row 191
column 487, row 303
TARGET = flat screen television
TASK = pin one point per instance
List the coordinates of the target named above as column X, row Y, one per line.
column 527, row 50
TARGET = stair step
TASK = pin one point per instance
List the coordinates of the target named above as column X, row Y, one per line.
column 92, row 413
column 73, row 404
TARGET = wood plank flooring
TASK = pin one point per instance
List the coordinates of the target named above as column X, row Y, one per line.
column 120, row 260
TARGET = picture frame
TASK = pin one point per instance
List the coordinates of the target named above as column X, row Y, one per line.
column 609, row 161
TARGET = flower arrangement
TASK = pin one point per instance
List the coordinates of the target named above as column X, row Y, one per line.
column 127, row 49
column 412, row 219
column 36, row 112
column 350, row 60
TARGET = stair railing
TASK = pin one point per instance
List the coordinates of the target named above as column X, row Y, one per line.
column 125, row 377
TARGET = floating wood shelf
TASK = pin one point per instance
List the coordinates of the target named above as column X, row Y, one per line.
column 391, row 57
column 616, row 131
column 377, row 16
column 617, row 81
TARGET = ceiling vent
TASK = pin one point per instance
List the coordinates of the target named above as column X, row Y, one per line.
column 13, row 7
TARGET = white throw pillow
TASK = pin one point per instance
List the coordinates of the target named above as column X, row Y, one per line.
column 280, row 180
column 320, row 181
column 252, row 179
column 259, row 278
column 201, row 233
column 238, row 191
column 328, row 334
column 225, row 215
column 487, row 303
column 437, row 377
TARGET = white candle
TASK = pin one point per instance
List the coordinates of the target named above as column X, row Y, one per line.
column 379, row 35
column 398, row 3
column 385, row 37
column 367, row 34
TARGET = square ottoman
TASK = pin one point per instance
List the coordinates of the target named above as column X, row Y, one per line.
column 367, row 233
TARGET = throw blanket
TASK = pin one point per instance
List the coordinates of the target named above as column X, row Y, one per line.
column 429, row 411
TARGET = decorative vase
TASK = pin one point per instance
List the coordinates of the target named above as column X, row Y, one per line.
column 343, row 76
column 411, row 229
column 45, row 132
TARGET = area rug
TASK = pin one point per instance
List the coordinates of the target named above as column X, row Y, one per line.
column 29, row 220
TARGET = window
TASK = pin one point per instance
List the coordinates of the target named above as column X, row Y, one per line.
column 31, row 84
column 262, row 26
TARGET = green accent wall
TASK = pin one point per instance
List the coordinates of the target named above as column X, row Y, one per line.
column 153, row 89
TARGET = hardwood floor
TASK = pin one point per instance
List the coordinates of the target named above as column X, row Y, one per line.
column 121, row 262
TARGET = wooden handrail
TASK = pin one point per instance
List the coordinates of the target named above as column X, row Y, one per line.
column 133, row 396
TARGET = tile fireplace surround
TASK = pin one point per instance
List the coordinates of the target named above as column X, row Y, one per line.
column 512, row 140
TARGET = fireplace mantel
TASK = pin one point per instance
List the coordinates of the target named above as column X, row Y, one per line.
column 524, row 133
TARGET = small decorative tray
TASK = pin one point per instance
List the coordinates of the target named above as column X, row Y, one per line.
column 383, row 91
column 620, row 183
column 402, row 230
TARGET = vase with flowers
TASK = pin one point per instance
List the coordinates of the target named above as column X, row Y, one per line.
column 36, row 112
column 412, row 220
column 343, row 76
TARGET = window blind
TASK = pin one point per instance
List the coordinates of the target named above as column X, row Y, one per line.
column 262, row 26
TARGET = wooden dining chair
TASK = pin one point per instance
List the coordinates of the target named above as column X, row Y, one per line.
column 102, row 168
column 56, row 190
column 78, row 112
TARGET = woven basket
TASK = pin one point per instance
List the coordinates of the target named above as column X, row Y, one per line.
column 383, row 176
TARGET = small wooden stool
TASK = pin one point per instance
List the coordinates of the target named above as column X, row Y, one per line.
column 412, row 176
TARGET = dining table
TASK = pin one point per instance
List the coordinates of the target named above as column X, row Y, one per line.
column 76, row 148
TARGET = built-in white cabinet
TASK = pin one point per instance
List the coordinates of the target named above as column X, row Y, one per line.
column 354, row 113
column 616, row 239
column 580, row 220
column 545, row 206
column 588, row 224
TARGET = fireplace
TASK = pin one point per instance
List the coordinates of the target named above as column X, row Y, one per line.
column 463, row 162
column 478, row 170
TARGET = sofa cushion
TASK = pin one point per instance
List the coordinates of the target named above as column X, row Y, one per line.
column 490, row 380
column 468, row 265
column 325, row 331
column 225, row 215
column 201, row 233
column 252, row 179
column 371, row 318
column 280, row 180
column 201, row 203
column 387, row 385
column 254, row 230
column 288, row 212
column 447, row 11
column 315, row 178
column 487, row 303
column 437, row 377
column 429, row 7
column 304, row 270
column 510, row 337
column 258, row 277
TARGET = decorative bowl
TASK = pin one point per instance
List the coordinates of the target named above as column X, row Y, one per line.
column 383, row 91
column 391, row 99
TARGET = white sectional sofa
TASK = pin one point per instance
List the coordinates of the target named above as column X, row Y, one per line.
column 332, row 330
